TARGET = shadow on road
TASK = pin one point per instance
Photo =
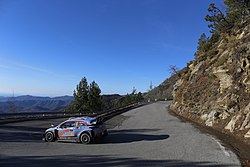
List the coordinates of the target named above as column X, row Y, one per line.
column 22, row 128
column 131, row 135
column 20, row 134
column 20, row 137
column 96, row 160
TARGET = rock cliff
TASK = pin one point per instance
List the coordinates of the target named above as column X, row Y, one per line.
column 214, row 89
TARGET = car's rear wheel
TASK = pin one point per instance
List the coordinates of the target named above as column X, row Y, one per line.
column 49, row 137
column 85, row 138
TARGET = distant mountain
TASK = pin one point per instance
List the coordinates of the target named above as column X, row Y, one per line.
column 29, row 103
column 28, row 97
column 2, row 98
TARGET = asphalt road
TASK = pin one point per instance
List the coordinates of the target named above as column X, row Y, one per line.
column 146, row 136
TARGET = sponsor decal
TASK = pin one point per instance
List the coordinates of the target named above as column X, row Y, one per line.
column 60, row 133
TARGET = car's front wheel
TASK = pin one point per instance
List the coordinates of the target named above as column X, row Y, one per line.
column 85, row 138
column 49, row 137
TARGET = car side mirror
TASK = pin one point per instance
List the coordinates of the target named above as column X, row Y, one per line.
column 52, row 125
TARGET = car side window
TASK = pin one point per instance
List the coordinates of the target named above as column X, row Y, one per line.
column 81, row 124
column 72, row 124
column 68, row 124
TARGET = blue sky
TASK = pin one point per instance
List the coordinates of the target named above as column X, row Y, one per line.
column 47, row 46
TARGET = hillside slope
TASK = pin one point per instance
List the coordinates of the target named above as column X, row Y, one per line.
column 164, row 90
column 215, row 88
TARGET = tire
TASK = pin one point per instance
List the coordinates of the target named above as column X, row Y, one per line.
column 85, row 138
column 49, row 137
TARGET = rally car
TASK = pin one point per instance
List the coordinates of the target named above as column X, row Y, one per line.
column 81, row 129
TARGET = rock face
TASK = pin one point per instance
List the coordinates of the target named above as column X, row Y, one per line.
column 215, row 88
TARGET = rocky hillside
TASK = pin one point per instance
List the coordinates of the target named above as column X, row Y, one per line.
column 215, row 88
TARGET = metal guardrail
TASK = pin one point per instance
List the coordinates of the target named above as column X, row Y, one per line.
column 9, row 118
column 35, row 114
column 106, row 115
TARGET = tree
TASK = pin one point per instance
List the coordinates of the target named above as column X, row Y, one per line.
column 237, row 9
column 129, row 99
column 81, row 95
column 202, row 44
column 205, row 44
column 173, row 69
column 94, row 98
column 133, row 91
column 202, row 41
column 139, row 97
column 238, row 5
column 236, row 12
column 86, row 97
column 219, row 22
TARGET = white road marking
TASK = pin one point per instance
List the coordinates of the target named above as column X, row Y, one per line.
column 222, row 147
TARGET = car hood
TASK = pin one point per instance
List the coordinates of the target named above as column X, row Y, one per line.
column 50, row 129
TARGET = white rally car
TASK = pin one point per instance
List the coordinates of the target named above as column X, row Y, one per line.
column 81, row 129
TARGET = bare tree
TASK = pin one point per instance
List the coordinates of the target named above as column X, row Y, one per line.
column 173, row 69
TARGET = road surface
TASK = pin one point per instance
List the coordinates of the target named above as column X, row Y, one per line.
column 146, row 136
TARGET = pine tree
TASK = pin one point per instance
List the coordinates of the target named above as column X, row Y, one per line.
column 202, row 41
column 139, row 97
column 219, row 22
column 81, row 95
column 94, row 97
column 237, row 9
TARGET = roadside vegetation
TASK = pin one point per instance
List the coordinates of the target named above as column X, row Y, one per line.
column 88, row 99
column 222, row 22
column 132, row 98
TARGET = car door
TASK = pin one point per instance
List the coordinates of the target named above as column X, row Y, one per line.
column 67, row 130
